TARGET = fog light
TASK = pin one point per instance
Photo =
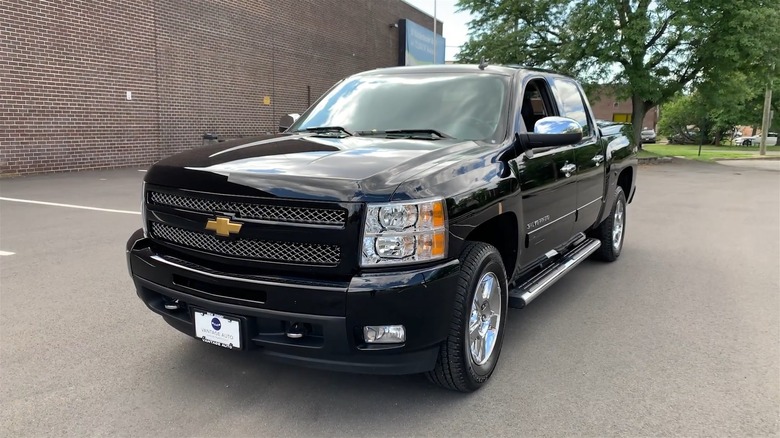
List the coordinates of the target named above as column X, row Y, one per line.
column 384, row 334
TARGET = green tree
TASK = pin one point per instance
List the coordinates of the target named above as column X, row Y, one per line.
column 715, row 107
column 753, row 107
column 677, row 116
column 653, row 49
column 687, row 119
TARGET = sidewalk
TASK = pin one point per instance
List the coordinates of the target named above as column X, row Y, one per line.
column 753, row 163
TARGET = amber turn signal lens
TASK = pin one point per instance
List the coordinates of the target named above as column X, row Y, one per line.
column 438, row 214
column 439, row 245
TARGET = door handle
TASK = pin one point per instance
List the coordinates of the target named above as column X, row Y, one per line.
column 598, row 159
column 568, row 169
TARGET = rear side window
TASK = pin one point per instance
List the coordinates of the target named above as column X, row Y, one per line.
column 573, row 104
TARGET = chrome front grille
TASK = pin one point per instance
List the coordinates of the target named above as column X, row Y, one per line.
column 293, row 252
column 246, row 210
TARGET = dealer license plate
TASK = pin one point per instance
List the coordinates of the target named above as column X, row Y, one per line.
column 217, row 329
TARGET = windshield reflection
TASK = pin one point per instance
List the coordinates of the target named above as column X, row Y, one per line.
column 467, row 107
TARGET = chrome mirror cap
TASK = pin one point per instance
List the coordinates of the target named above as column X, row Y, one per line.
column 557, row 125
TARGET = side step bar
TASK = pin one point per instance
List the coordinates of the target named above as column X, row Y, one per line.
column 526, row 292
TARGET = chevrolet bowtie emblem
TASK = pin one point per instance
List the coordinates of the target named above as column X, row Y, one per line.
column 222, row 226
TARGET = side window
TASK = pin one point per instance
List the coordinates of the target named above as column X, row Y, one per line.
column 573, row 104
column 536, row 103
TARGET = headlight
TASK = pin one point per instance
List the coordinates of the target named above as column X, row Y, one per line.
column 404, row 232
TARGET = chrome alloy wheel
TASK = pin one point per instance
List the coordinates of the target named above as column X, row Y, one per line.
column 485, row 318
column 617, row 226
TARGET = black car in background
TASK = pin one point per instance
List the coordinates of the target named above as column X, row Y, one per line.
column 688, row 137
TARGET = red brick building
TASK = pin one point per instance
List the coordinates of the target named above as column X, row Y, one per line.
column 108, row 83
column 608, row 107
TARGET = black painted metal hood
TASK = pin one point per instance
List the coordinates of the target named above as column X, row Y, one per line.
column 305, row 166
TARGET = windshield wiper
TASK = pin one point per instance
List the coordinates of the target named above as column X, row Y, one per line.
column 407, row 133
column 328, row 129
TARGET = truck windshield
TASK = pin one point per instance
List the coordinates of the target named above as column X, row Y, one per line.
column 468, row 107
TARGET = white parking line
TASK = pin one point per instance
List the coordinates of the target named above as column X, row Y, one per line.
column 6, row 253
column 82, row 207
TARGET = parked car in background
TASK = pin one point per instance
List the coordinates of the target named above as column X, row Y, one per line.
column 687, row 137
column 648, row 136
column 755, row 140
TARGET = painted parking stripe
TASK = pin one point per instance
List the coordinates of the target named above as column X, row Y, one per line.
column 82, row 207
column 6, row 253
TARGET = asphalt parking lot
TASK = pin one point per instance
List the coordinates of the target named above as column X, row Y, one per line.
column 678, row 337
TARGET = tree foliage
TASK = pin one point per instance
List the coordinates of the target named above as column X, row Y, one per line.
column 714, row 108
column 653, row 49
column 678, row 115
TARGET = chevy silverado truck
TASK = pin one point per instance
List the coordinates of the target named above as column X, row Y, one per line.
column 389, row 228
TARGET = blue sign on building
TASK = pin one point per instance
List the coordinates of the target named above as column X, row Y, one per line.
column 416, row 45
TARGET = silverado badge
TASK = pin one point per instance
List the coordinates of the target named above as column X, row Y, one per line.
column 222, row 226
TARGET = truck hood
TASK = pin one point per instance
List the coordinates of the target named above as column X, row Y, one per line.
column 307, row 166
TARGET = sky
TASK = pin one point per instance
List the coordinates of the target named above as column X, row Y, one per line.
column 455, row 23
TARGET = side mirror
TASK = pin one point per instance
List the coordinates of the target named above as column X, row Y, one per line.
column 555, row 131
column 549, row 132
column 287, row 120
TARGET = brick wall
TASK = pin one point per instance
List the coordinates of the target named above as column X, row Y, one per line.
column 605, row 106
column 230, row 67
column 64, row 70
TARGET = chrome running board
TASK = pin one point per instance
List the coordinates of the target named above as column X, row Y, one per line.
column 520, row 296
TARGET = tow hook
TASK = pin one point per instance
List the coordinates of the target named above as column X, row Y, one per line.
column 296, row 331
column 172, row 305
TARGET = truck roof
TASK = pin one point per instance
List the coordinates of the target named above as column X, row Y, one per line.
column 507, row 70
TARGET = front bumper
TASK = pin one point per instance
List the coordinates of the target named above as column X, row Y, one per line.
column 334, row 312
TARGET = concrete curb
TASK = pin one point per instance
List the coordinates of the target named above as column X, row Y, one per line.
column 758, row 158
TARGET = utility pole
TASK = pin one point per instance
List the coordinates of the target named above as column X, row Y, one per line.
column 766, row 119
column 434, row 32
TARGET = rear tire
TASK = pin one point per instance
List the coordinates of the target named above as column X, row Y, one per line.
column 612, row 231
column 468, row 357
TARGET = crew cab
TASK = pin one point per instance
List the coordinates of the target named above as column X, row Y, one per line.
column 390, row 227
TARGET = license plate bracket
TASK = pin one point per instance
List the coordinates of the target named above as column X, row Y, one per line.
column 217, row 329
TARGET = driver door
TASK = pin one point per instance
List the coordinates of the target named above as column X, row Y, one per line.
column 549, row 193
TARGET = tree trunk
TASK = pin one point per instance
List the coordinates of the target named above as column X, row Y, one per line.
column 638, row 111
column 716, row 140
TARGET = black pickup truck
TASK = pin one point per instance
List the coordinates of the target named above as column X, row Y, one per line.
column 389, row 228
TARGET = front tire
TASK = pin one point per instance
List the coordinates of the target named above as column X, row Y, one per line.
column 468, row 357
column 612, row 231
